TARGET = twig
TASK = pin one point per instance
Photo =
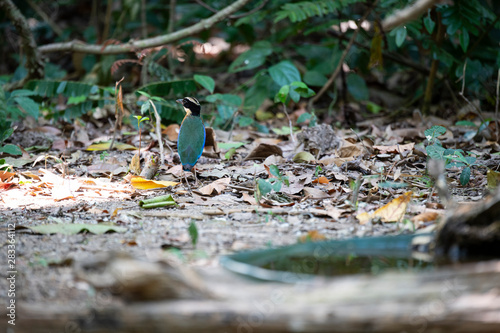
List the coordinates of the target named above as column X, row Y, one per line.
column 45, row 18
column 496, row 106
column 407, row 14
column 289, row 122
column 118, row 114
column 342, row 58
column 107, row 25
column 402, row 61
column 158, row 133
column 134, row 45
column 461, row 93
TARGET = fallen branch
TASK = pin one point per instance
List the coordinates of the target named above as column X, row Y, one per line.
column 134, row 45
column 407, row 14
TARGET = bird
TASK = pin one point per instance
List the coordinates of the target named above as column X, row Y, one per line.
column 191, row 139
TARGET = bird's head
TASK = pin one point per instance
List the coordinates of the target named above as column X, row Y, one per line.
column 191, row 105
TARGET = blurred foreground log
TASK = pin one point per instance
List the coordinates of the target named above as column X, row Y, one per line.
column 462, row 299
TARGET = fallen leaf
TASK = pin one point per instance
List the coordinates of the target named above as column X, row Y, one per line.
column 303, row 157
column 396, row 149
column 72, row 229
column 105, row 146
column 264, row 150
column 248, row 198
column 349, row 150
column 312, row 236
column 425, row 217
column 156, row 202
column 5, row 186
column 146, row 184
column 217, row 186
column 314, row 193
column 392, row 212
column 5, row 175
column 321, row 180
column 493, row 179
column 172, row 132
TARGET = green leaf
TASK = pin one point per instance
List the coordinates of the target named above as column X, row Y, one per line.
column 302, row 89
column 304, row 117
column 145, row 107
column 245, row 121
column 252, row 58
column 193, row 233
column 72, row 229
column 264, row 187
column 465, row 176
column 226, row 111
column 22, row 92
column 276, row 186
column 400, row 35
column 464, row 39
column 28, row 105
column 282, row 95
column 229, row 145
column 435, row 152
column 6, row 134
column 465, row 123
column 206, row 82
column 231, row 99
column 429, row 23
column 11, row 149
column 433, row 132
column 178, row 88
column 274, row 171
column 315, row 78
column 284, row 73
column 357, row 87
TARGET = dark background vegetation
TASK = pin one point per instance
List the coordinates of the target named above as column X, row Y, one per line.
column 443, row 60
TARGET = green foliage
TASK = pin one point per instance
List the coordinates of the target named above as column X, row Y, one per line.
column 206, row 82
column 193, row 233
column 453, row 158
column 300, row 11
column 265, row 186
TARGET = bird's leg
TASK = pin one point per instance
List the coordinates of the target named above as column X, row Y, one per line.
column 187, row 182
column 195, row 178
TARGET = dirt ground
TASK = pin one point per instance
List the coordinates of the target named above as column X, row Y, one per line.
column 226, row 220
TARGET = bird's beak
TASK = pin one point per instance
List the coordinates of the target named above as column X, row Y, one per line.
column 179, row 101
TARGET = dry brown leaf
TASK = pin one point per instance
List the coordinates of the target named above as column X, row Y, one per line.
column 5, row 175
column 217, row 186
column 315, row 193
column 392, row 212
column 350, row 150
column 248, row 198
column 425, row 217
column 172, row 132
column 395, row 149
column 264, row 150
column 135, row 164
column 312, row 236
column 145, row 184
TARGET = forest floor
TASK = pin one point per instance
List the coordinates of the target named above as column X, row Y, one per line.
column 373, row 182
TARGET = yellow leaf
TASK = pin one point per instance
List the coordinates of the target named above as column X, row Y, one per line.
column 145, row 184
column 105, row 146
column 392, row 212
